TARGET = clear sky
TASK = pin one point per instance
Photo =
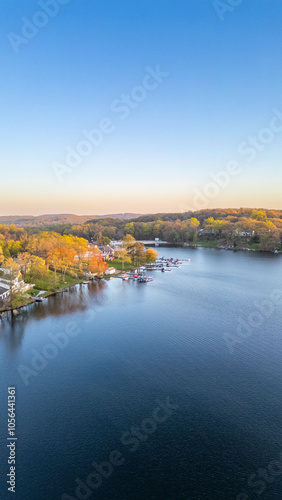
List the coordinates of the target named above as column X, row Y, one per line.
column 175, row 90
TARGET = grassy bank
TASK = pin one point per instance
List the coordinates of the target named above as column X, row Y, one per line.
column 237, row 245
column 210, row 243
column 50, row 283
column 117, row 264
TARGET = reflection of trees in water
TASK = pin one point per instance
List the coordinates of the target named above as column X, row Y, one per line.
column 77, row 298
column 12, row 329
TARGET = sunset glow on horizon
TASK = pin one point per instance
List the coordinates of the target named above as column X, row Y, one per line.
column 140, row 107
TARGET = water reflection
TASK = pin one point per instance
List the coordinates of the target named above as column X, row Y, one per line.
column 12, row 329
column 75, row 299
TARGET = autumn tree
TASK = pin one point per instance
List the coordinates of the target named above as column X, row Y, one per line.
column 24, row 261
column 101, row 266
column 13, row 273
column 270, row 238
column 258, row 215
column 194, row 223
column 66, row 257
column 192, row 229
column 1, row 256
column 37, row 268
column 139, row 253
column 124, row 258
column 209, row 222
column 96, row 265
column 129, row 244
column 128, row 240
column 42, row 245
column 151, row 255
column 54, row 259
column 80, row 246
column 218, row 226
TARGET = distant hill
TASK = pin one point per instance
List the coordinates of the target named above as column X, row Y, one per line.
column 49, row 219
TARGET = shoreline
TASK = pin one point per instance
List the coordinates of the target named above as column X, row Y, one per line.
column 32, row 300
column 47, row 294
column 192, row 246
column 229, row 248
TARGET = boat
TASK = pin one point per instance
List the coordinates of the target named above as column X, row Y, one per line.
column 142, row 279
column 125, row 278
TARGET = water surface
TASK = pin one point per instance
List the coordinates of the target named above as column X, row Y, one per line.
column 131, row 346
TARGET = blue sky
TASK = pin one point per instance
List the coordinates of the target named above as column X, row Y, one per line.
column 224, row 78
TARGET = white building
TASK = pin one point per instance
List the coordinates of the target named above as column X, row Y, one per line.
column 17, row 284
column 4, row 293
column 110, row 270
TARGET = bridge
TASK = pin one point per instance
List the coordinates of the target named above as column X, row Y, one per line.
column 117, row 244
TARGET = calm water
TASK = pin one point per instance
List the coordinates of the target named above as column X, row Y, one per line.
column 130, row 347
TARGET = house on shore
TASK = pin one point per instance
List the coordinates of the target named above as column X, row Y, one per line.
column 89, row 275
column 4, row 294
column 110, row 270
column 6, row 284
column 247, row 234
column 108, row 253
column 88, row 253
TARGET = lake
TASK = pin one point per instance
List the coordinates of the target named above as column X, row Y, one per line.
column 160, row 391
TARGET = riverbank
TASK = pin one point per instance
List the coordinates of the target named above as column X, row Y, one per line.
column 222, row 244
column 27, row 299
column 43, row 287
column 52, row 285
column 49, row 285
column 212, row 244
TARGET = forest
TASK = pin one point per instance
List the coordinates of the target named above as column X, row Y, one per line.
column 50, row 262
column 54, row 257
column 257, row 229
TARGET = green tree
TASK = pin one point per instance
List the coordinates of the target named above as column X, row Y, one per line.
column 129, row 228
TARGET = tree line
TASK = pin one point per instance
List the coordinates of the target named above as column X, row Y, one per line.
column 233, row 226
column 36, row 255
column 62, row 246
